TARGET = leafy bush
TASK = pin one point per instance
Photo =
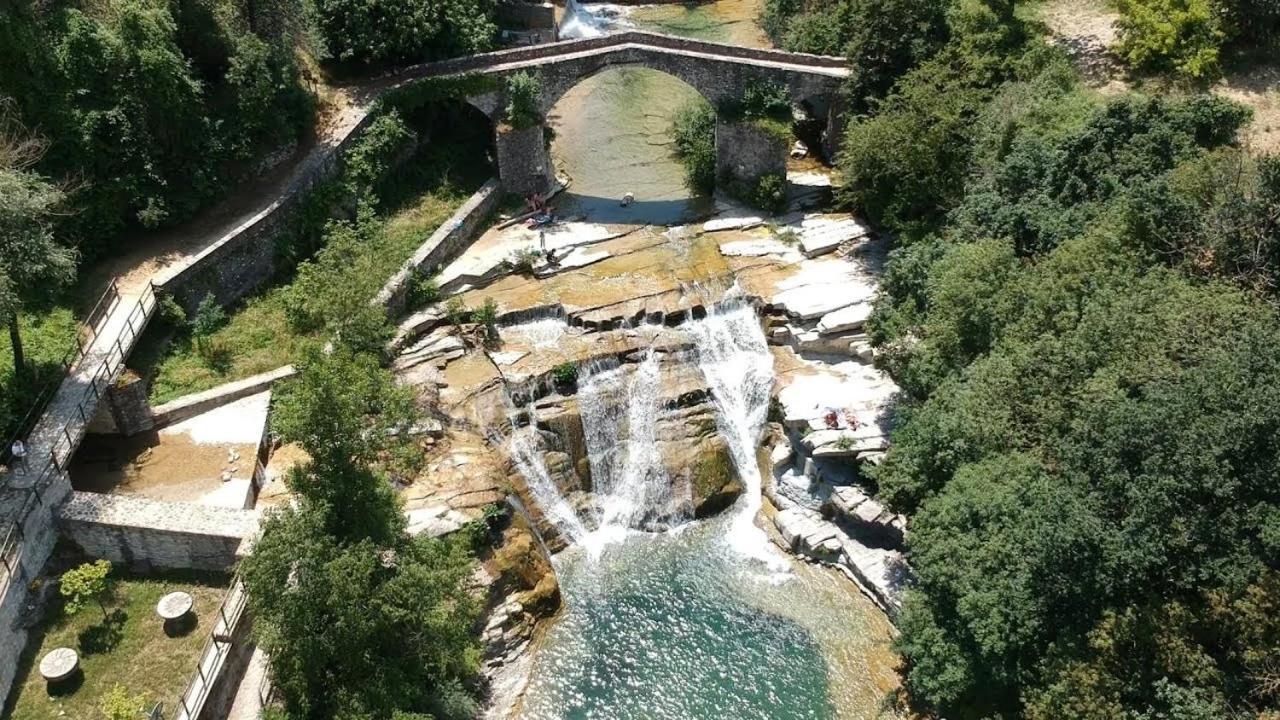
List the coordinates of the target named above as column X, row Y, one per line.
column 524, row 259
column 423, row 289
column 118, row 704
column 85, row 584
column 565, row 373
column 369, row 160
column 150, row 107
column 1184, row 36
column 523, row 90
column 883, row 39
column 385, row 32
column 487, row 316
column 694, row 135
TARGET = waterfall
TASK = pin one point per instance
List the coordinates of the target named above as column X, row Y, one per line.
column 523, row 447
column 619, row 421
column 735, row 360
column 580, row 23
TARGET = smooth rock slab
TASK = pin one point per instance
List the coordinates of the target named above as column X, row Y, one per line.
column 845, row 319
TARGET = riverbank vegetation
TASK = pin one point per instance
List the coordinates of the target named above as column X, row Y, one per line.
column 359, row 619
column 1081, row 311
column 381, row 218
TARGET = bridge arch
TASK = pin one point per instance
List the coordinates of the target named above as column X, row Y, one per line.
column 720, row 73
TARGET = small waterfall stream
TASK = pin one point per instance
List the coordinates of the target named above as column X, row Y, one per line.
column 619, row 420
column 523, row 446
column 736, row 362
column 581, row 23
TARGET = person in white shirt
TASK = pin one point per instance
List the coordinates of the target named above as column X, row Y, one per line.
column 19, row 451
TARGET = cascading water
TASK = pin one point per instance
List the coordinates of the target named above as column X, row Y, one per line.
column 522, row 445
column 580, row 23
column 628, row 475
column 735, row 360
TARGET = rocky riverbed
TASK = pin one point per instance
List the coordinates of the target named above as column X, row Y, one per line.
column 583, row 311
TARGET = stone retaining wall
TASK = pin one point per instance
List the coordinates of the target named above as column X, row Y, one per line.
column 40, row 535
column 445, row 245
column 147, row 535
column 188, row 406
column 245, row 257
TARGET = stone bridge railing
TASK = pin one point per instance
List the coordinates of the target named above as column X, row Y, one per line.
column 720, row 73
column 551, row 52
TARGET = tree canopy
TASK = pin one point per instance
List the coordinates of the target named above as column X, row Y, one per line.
column 1079, row 309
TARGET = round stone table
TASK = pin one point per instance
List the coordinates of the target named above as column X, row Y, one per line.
column 174, row 606
column 60, row 664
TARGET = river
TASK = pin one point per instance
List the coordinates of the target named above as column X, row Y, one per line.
column 708, row 620
column 613, row 130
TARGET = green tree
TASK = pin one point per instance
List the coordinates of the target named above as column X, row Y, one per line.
column 385, row 32
column 360, row 628
column 87, row 583
column 694, row 134
column 359, row 619
column 33, row 265
column 523, row 91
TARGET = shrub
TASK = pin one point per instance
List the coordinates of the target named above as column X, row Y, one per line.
column 1184, row 36
column 423, row 289
column 523, row 89
column 366, row 165
column 487, row 316
column 565, row 373
column 694, row 136
column 769, row 193
column 382, row 32
column 524, row 259
column 118, row 704
column 456, row 310
column 87, row 583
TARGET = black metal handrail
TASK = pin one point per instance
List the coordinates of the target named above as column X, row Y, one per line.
column 91, row 325
column 71, row 431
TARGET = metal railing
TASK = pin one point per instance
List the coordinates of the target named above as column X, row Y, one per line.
column 66, row 439
column 191, row 701
column 84, row 337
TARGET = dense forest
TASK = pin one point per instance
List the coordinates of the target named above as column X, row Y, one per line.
column 1080, row 309
column 119, row 117
column 1081, row 312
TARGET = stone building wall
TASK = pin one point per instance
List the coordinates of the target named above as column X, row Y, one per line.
column 147, row 535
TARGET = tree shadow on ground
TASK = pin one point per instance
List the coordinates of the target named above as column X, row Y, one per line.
column 105, row 636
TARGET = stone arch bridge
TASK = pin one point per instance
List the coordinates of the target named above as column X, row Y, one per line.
column 719, row 72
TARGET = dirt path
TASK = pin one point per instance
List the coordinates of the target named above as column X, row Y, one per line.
column 150, row 253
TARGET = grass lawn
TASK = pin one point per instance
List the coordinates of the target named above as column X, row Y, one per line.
column 258, row 336
column 47, row 334
column 143, row 659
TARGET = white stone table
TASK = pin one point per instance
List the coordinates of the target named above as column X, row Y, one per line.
column 174, row 606
column 59, row 664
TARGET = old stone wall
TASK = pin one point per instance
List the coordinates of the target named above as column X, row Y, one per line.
column 148, row 535
column 747, row 152
column 188, row 406
column 245, row 257
column 39, row 536
column 524, row 160
column 443, row 247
